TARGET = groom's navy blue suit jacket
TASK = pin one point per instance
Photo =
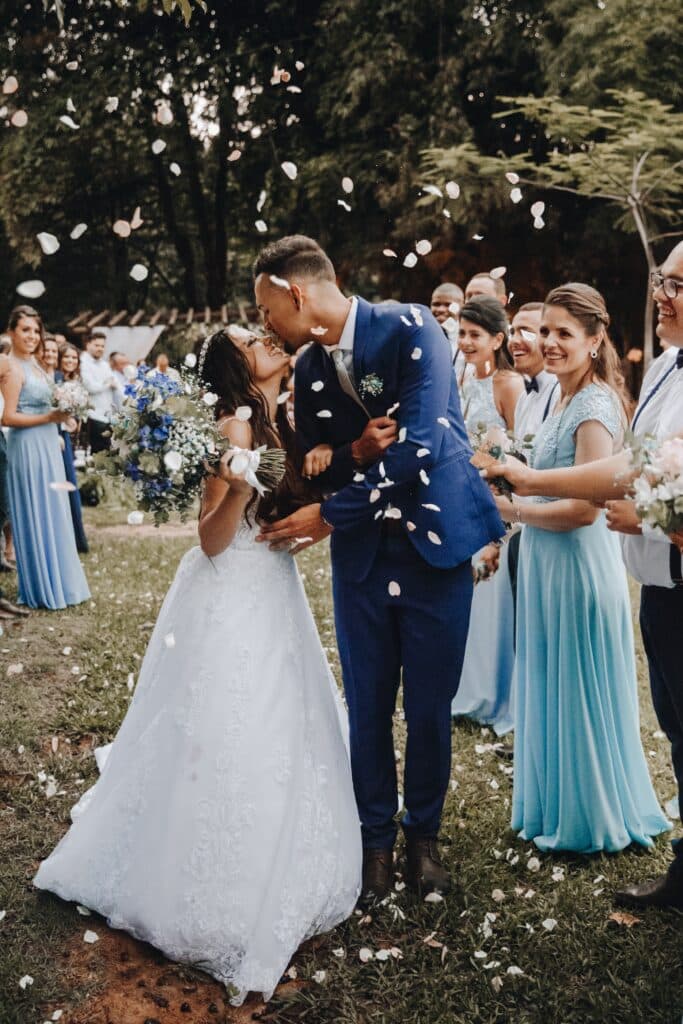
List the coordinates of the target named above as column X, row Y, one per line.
column 445, row 506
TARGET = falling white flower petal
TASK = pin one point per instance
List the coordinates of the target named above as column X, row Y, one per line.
column 516, row 195
column 72, row 65
column 169, row 640
column 26, row 980
column 443, row 421
column 478, row 238
column 514, row 971
column 48, row 243
column 79, row 230
column 164, row 114
column 410, row 526
column 416, row 353
column 317, row 385
column 282, row 398
column 135, row 518
column 70, row 106
column 158, row 146
column 347, row 185
column 19, row 119
column 61, row 485
column 91, row 937
column 112, row 104
column 433, row 897
column 431, row 507
column 243, row 413
column 174, row 168
column 319, row 331
column 279, row 282
column 423, row 247
column 319, row 977
column 512, row 177
column 452, row 189
column 390, row 253
column 324, row 414
column 261, row 226
column 539, row 223
column 549, row 924
column 424, row 478
column 365, row 954
column 498, row 272
column 382, row 954
column 421, row 452
column 31, row 289
column 533, row 864
column 394, row 589
column 433, row 190
column 122, row 228
column 498, row 895
column 375, row 495
column 538, row 209
column 234, row 155
column 10, row 85
column 433, row 537
column 410, row 260
column 290, row 169
column 69, row 122
column 139, row 272
column 402, row 434
column 190, row 360
column 344, row 204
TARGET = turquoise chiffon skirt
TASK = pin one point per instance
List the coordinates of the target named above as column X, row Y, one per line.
column 581, row 778
column 48, row 566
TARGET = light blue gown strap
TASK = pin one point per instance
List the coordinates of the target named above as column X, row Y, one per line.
column 595, row 402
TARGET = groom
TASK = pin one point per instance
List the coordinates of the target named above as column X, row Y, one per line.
column 406, row 512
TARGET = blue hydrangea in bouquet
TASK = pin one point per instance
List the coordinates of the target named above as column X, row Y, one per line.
column 166, row 440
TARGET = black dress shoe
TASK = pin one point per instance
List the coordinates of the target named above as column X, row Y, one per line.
column 378, row 874
column 425, row 872
column 12, row 609
column 665, row 891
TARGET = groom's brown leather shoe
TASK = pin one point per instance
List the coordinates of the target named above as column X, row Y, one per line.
column 378, row 873
column 665, row 891
column 425, row 872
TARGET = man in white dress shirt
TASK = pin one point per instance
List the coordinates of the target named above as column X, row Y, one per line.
column 657, row 564
column 537, row 401
column 98, row 379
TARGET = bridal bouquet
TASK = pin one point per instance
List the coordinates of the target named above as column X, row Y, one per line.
column 166, row 440
column 72, row 397
column 658, row 491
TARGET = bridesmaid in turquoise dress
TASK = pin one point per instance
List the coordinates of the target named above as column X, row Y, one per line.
column 48, row 566
column 489, row 398
column 581, row 778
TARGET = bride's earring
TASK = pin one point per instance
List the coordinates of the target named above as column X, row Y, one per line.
column 594, row 353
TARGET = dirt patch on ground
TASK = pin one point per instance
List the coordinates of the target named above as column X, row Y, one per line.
column 147, row 530
column 137, row 985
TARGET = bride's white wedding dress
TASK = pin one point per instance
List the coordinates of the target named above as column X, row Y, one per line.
column 223, row 828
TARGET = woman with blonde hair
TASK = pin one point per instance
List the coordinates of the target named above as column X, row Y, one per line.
column 581, row 779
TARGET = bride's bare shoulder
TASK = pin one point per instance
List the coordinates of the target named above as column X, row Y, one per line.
column 237, row 431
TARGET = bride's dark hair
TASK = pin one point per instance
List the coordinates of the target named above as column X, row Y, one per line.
column 224, row 370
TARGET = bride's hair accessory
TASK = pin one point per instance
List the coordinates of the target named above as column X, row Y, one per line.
column 202, row 354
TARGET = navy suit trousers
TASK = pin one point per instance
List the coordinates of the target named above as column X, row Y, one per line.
column 418, row 636
column 661, row 615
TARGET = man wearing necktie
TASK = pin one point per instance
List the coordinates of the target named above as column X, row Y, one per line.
column 403, row 529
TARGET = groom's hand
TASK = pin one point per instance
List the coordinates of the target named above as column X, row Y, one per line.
column 304, row 527
column 378, row 435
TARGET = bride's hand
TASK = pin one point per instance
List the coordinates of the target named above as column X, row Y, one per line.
column 518, row 475
column 234, row 479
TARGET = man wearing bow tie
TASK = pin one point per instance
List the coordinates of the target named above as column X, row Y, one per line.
column 541, row 388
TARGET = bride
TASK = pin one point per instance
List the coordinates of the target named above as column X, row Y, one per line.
column 223, row 829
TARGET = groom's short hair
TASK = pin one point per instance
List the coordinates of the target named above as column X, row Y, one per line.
column 295, row 256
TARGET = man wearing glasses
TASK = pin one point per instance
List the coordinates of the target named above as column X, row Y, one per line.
column 656, row 563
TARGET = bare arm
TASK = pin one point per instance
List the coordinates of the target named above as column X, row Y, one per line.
column 603, row 480
column 593, row 443
column 225, row 496
column 506, row 390
column 11, row 384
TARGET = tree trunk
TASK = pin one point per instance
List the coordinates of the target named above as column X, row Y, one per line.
column 648, row 328
column 220, row 205
column 180, row 239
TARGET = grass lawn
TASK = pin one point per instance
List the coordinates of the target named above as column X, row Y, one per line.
column 66, row 681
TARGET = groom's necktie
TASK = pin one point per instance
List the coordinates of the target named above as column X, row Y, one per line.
column 343, row 364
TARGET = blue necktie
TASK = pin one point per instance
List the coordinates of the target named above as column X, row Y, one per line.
column 678, row 364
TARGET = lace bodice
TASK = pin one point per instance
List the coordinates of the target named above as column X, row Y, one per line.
column 555, row 445
column 35, row 397
column 479, row 405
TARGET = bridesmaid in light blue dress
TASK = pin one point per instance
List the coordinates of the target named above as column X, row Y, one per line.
column 48, row 566
column 581, row 779
column 485, row 690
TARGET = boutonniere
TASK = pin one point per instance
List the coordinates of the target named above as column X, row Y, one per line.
column 371, row 386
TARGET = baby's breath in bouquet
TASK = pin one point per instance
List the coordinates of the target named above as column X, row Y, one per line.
column 495, row 443
column 166, row 440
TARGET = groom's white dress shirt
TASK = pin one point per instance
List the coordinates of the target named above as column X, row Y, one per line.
column 647, row 556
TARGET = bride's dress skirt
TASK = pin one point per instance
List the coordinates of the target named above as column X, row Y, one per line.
column 223, row 828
